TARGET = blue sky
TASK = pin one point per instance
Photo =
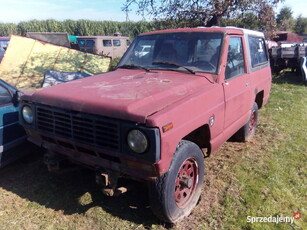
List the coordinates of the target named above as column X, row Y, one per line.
column 25, row 10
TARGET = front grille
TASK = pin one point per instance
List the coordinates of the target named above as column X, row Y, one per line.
column 81, row 127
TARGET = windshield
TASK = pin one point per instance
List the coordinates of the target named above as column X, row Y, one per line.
column 193, row 51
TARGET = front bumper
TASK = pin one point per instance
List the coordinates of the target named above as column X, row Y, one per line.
column 93, row 157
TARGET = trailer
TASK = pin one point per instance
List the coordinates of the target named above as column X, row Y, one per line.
column 304, row 69
column 288, row 55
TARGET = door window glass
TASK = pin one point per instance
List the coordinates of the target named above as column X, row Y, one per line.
column 5, row 96
column 235, row 58
column 81, row 42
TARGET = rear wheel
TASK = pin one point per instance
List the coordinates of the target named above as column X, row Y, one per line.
column 248, row 130
column 175, row 194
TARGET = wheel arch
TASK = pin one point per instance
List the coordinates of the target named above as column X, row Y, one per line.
column 259, row 98
column 201, row 137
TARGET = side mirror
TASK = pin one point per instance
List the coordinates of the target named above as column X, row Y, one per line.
column 16, row 97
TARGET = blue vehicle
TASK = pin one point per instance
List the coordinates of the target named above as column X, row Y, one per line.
column 4, row 41
column 13, row 144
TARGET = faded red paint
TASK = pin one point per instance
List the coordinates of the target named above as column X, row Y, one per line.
column 158, row 97
column 124, row 94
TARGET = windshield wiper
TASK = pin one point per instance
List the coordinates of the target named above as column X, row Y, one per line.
column 174, row 64
column 133, row 67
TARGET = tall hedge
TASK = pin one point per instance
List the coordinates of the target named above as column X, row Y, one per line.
column 83, row 27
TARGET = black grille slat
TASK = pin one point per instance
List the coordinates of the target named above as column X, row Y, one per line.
column 104, row 136
column 81, row 135
column 81, row 127
column 85, row 129
column 63, row 133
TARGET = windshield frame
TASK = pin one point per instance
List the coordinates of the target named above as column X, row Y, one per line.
column 180, row 68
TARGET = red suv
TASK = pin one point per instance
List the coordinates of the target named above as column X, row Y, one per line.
column 157, row 115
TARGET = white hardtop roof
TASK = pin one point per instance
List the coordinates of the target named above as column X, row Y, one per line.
column 247, row 31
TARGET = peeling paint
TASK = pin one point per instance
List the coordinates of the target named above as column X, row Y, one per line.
column 123, row 94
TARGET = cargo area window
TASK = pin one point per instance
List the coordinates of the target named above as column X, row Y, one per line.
column 235, row 58
column 116, row 42
column 258, row 54
column 107, row 43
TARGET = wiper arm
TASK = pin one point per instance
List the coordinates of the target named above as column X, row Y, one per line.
column 133, row 67
column 174, row 64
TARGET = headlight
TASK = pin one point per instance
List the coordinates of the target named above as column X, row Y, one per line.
column 27, row 114
column 137, row 141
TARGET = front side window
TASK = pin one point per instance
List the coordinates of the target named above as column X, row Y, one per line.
column 258, row 54
column 182, row 51
column 116, row 42
column 107, row 43
column 5, row 96
column 235, row 58
column 89, row 43
column 81, row 42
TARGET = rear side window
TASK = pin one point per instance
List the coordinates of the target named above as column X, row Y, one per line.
column 235, row 58
column 128, row 42
column 107, row 43
column 258, row 54
column 116, row 42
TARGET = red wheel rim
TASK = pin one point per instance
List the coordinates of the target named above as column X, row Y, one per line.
column 186, row 182
column 252, row 122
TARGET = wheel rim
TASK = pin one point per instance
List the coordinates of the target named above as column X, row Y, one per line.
column 252, row 122
column 186, row 182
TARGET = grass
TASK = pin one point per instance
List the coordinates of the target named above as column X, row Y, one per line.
column 265, row 177
column 271, row 174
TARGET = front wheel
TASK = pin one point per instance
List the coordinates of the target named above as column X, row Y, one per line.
column 175, row 194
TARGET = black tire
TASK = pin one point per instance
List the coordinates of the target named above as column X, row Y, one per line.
column 176, row 193
column 247, row 132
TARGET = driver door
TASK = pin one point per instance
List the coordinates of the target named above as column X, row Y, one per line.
column 11, row 133
column 237, row 89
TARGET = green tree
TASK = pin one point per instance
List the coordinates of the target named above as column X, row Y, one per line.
column 285, row 19
column 204, row 12
column 7, row 29
column 300, row 26
column 247, row 20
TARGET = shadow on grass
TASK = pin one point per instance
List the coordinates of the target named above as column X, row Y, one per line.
column 30, row 180
column 288, row 77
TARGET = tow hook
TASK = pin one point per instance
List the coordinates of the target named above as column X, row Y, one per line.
column 108, row 180
column 54, row 161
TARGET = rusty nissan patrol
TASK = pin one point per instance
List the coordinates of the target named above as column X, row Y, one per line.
column 158, row 114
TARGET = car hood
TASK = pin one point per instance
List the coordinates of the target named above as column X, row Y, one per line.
column 124, row 94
